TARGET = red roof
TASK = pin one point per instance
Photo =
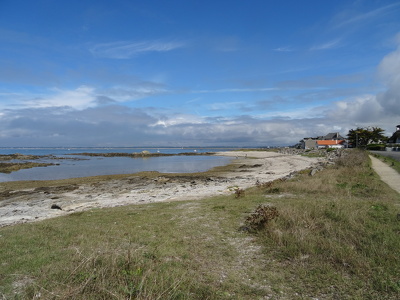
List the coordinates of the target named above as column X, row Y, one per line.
column 329, row 142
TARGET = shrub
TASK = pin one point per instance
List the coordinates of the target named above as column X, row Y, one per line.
column 261, row 217
column 239, row 192
column 376, row 147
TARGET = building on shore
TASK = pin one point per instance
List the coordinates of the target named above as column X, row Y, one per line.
column 395, row 138
column 331, row 140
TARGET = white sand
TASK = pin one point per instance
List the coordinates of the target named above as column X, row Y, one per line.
column 255, row 166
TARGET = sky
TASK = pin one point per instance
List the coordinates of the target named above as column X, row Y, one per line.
column 206, row 73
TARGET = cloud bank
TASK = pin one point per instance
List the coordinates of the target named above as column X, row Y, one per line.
column 89, row 116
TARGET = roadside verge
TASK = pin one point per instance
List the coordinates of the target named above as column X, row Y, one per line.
column 386, row 173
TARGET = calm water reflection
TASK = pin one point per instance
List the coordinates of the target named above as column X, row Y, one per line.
column 92, row 166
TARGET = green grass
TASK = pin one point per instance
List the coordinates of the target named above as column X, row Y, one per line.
column 336, row 236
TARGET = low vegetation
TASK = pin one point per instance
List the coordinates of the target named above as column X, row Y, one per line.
column 18, row 156
column 9, row 167
column 15, row 162
column 334, row 235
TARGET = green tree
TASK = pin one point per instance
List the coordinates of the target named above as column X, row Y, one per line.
column 361, row 137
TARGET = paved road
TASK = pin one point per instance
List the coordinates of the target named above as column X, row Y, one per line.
column 392, row 154
column 386, row 173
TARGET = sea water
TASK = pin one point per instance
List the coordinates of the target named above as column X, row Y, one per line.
column 72, row 166
column 60, row 151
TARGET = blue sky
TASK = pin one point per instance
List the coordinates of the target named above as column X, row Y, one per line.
column 203, row 73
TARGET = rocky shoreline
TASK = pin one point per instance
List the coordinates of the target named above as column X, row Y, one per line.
column 33, row 202
column 14, row 162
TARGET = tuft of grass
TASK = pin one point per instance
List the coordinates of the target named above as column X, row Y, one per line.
column 336, row 237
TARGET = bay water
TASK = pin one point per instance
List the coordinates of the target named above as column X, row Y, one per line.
column 73, row 166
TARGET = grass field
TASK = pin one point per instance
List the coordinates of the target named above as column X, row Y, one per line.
column 334, row 235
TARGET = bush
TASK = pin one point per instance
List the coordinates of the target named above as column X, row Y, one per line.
column 376, row 147
column 261, row 217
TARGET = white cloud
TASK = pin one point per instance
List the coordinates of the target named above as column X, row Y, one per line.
column 326, row 46
column 235, row 90
column 80, row 98
column 389, row 72
column 129, row 49
column 178, row 119
column 382, row 109
column 361, row 109
column 389, row 68
column 381, row 11
column 122, row 94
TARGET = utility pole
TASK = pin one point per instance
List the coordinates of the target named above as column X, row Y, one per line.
column 356, row 140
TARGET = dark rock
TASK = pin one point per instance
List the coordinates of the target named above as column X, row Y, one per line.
column 55, row 206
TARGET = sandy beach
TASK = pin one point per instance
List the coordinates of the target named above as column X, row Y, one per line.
column 252, row 167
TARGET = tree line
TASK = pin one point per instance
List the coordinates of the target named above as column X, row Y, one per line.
column 361, row 137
